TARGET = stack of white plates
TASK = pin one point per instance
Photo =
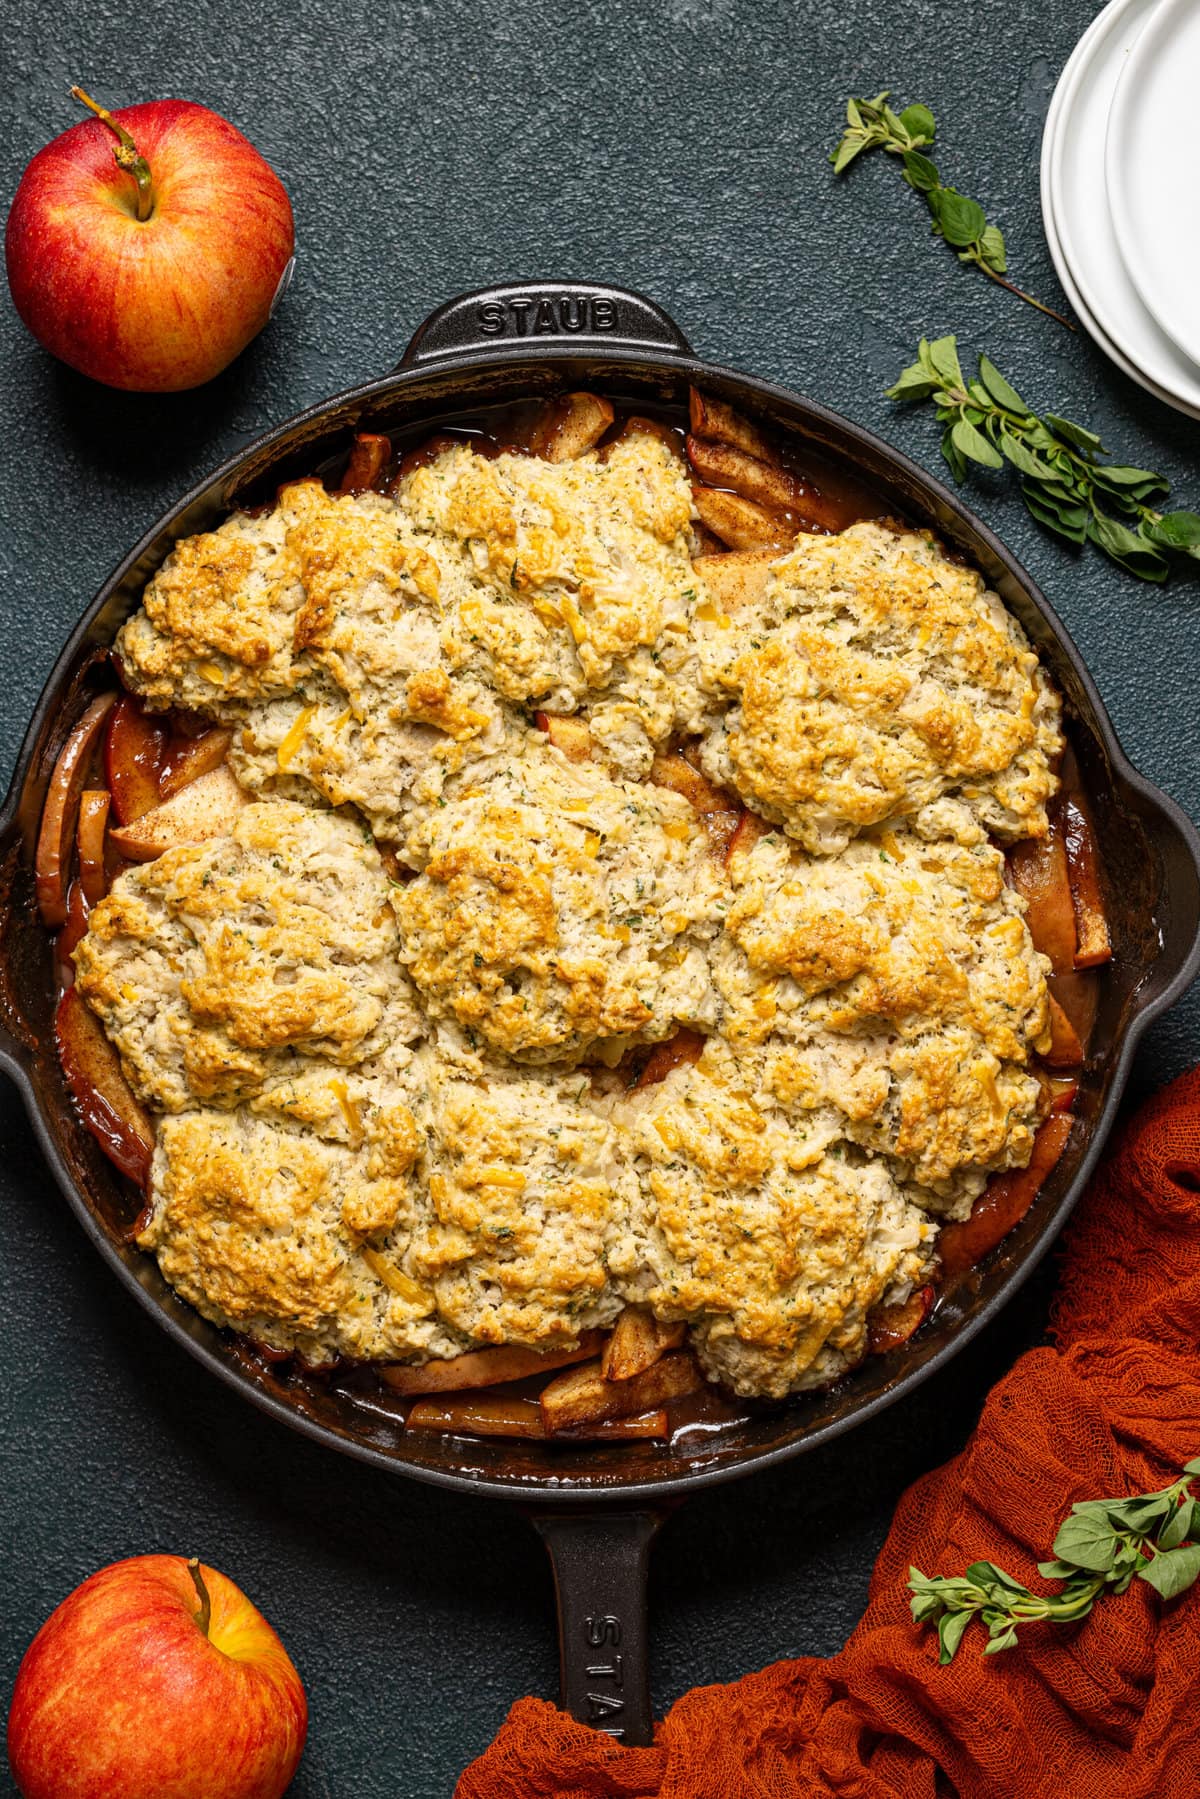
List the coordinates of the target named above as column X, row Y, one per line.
column 1121, row 191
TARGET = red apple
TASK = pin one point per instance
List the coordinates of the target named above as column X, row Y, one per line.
column 146, row 247
column 157, row 1676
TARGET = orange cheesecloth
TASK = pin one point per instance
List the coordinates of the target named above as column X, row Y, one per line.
column 1108, row 1708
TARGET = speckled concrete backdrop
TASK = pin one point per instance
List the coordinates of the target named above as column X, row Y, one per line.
column 677, row 146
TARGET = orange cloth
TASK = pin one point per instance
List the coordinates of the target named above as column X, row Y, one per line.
column 1107, row 1709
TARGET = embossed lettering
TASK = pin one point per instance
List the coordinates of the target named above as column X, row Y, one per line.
column 573, row 320
column 608, row 1671
column 604, row 315
column 602, row 1630
column 519, row 308
column 603, row 1705
column 544, row 322
column 490, row 318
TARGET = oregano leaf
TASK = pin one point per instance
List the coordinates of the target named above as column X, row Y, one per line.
column 1174, row 1571
column 917, row 120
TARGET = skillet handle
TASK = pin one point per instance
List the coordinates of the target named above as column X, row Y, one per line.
column 600, row 1561
column 1178, row 844
column 520, row 317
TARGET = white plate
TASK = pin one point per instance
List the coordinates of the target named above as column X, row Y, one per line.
column 1079, row 229
column 1093, row 327
column 1150, row 168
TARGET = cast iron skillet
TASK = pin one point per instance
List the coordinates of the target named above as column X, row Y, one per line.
column 597, row 1505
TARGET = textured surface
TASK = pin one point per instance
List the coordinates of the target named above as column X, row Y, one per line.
column 679, row 148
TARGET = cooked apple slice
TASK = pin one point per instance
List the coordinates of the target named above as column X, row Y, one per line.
column 720, row 423
column 1066, row 1051
column 52, row 859
column 484, row 1367
column 638, row 1340
column 740, row 523
column 187, row 758
column 369, row 457
column 583, row 1396
column 1037, row 868
column 104, row 1097
column 750, row 829
column 75, row 927
column 1061, row 1092
column 638, row 426
column 93, row 817
column 736, row 579
column 208, row 808
column 1004, row 1201
column 133, row 755
column 679, row 1051
column 1093, row 945
column 491, row 1415
column 719, row 812
column 570, row 735
column 569, row 427
column 721, row 465
column 890, row 1326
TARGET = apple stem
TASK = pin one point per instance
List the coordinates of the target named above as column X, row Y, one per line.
column 127, row 156
column 204, row 1615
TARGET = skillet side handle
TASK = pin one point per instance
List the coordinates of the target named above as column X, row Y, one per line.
column 600, row 1561
column 525, row 317
column 1178, row 844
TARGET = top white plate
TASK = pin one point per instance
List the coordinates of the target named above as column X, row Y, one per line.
column 1078, row 224
column 1151, row 173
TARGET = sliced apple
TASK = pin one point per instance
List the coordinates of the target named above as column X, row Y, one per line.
column 637, row 426
column 715, row 420
column 1004, row 1201
column 104, row 1097
column 1093, row 946
column 583, row 1396
column 369, row 456
column 890, row 1326
column 679, row 1051
column 722, row 465
column 133, row 756
column 491, row 1415
column 52, row 859
column 751, row 828
column 93, row 817
column 570, row 735
column 73, row 929
column 569, row 427
column 208, row 808
column 740, row 523
column 1037, row 868
column 1061, row 1092
column 187, row 758
column 638, row 1340
column 719, row 812
column 484, row 1367
column 1065, row 1051
column 736, row 579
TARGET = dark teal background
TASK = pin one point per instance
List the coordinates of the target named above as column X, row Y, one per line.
column 677, row 146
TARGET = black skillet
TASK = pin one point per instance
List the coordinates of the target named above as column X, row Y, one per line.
column 597, row 1506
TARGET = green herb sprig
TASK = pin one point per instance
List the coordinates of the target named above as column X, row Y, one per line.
column 1104, row 1546
column 1064, row 482
column 873, row 125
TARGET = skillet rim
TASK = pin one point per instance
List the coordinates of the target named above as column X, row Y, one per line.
column 574, row 1490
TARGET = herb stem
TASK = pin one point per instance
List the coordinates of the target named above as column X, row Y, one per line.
column 1029, row 300
column 959, row 221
